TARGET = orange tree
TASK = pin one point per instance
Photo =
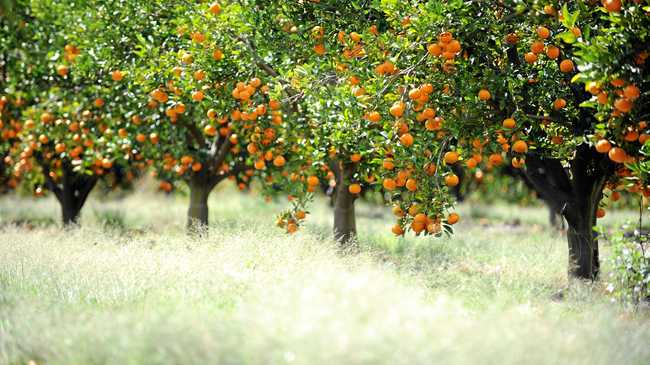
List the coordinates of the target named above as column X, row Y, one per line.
column 210, row 114
column 482, row 84
column 513, row 93
column 75, row 131
column 334, row 130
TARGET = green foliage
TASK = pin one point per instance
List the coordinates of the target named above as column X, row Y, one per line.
column 630, row 275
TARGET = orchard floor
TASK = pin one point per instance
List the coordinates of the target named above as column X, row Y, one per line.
column 130, row 288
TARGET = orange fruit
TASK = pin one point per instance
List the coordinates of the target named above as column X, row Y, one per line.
column 398, row 211
column 453, row 218
column 600, row 213
column 354, row 188
column 484, row 95
column 520, row 147
column 406, row 140
column 530, row 57
column 313, row 180
column 397, row 230
column 612, row 6
column 559, row 104
column 617, row 155
column 117, row 75
column 355, row 157
column 552, row 52
column 509, row 123
column 397, row 109
column 389, row 184
column 543, row 32
column 215, row 8
column 623, row 105
column 411, row 185
column 388, row 164
column 451, row 180
column 279, row 161
column 374, row 116
column 631, row 92
column 451, row 157
column 537, row 47
column 603, row 146
column 566, row 66
column 495, row 159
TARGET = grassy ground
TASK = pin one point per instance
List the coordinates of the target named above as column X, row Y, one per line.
column 131, row 288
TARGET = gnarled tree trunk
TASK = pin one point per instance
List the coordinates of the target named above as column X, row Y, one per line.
column 71, row 192
column 578, row 190
column 345, row 226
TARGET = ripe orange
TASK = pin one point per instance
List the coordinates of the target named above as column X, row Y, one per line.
column 434, row 49
column 631, row 92
column 197, row 166
column 484, row 95
column 603, row 146
column 612, row 6
column 543, row 32
column 617, row 155
column 509, row 123
column 559, row 104
column 615, row 196
column 411, row 185
column 355, row 157
column 566, row 66
column 153, row 137
column 530, row 57
column 354, row 188
column 388, row 164
column 453, row 218
column 451, row 157
column 389, row 184
column 279, row 161
column 623, row 105
column 552, row 52
column 62, row 70
column 451, row 180
column 259, row 164
column 397, row 109
column 537, row 47
column 398, row 211
column 197, row 95
column 374, row 116
column 520, row 147
column 495, row 159
column 397, row 230
column 215, row 8
column 312, row 180
column 117, row 75
column 471, row 163
column 406, row 140
column 600, row 213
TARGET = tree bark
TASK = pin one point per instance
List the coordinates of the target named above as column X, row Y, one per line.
column 345, row 226
column 578, row 190
column 200, row 185
column 72, row 195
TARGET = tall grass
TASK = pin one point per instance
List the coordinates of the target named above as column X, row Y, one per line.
column 248, row 294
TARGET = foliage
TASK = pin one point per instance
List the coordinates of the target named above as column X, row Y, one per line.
column 630, row 275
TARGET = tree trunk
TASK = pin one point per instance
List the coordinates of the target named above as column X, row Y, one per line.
column 200, row 186
column 72, row 196
column 345, row 226
column 578, row 189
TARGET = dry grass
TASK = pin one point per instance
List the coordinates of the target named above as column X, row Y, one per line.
column 142, row 292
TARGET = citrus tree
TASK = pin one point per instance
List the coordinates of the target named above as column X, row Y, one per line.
column 76, row 130
column 514, row 94
column 484, row 84
column 210, row 114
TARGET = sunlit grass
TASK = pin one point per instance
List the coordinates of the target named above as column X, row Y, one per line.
column 144, row 293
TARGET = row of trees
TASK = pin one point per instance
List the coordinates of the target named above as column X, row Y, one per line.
column 363, row 95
